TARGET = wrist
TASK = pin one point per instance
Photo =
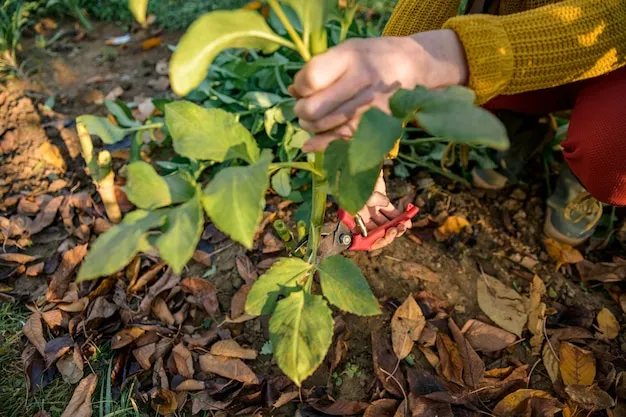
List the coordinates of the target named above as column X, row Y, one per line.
column 442, row 59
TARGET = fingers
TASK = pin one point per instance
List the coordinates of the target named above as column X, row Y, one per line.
column 322, row 71
column 344, row 97
column 319, row 143
column 389, row 237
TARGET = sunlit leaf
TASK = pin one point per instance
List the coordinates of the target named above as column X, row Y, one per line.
column 578, row 366
column 608, row 324
column 210, row 134
column 103, row 128
column 281, row 182
column 286, row 273
column 118, row 246
column 407, row 324
column 301, row 331
column 209, row 35
column 562, row 253
column 146, row 189
column 312, row 14
column 515, row 404
column 235, row 198
column 139, row 8
column 502, row 304
column 344, row 286
column 451, row 114
column 181, row 233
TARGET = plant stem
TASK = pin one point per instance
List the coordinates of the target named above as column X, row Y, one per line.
column 144, row 127
column 86, row 146
column 297, row 165
column 319, row 45
column 297, row 40
column 106, row 187
column 434, row 168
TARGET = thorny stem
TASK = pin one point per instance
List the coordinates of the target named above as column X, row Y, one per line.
column 297, row 40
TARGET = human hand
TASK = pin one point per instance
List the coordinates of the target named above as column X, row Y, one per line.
column 378, row 211
column 335, row 88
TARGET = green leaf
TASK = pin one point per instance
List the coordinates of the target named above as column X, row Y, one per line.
column 345, row 287
column 103, row 128
column 281, row 182
column 374, row 138
column 261, row 99
column 301, row 331
column 235, row 199
column 212, row 134
column 139, row 8
column 148, row 190
column 451, row 114
column 118, row 246
column 120, row 114
column 285, row 273
column 183, row 228
column 212, row 33
column 352, row 190
column 313, row 13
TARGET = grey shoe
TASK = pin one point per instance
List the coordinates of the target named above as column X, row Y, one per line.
column 572, row 215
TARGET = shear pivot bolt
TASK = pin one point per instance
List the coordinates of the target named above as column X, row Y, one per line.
column 345, row 239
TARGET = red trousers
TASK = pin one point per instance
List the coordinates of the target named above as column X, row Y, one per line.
column 595, row 147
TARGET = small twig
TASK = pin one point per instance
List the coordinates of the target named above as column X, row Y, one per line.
column 545, row 333
column 531, row 372
column 394, row 370
column 406, row 399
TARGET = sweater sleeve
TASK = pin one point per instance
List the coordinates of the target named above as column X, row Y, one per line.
column 411, row 16
column 544, row 47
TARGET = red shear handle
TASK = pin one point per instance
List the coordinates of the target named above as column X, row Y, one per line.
column 365, row 243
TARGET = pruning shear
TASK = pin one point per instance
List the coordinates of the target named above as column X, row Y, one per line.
column 349, row 233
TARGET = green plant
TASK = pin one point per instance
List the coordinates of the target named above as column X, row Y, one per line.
column 14, row 16
column 170, row 214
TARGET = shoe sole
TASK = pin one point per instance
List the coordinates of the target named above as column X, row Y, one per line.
column 552, row 232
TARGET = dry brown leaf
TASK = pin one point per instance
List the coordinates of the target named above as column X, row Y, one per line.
column 56, row 318
column 164, row 402
column 231, row 349
column 562, row 253
column 204, row 402
column 412, row 270
column 80, row 403
column 71, row 366
column 146, row 278
column 272, row 244
column 536, row 314
column 204, row 293
column 56, row 348
column 570, row 333
column 450, row 360
column 143, row 355
column 238, row 302
column 385, row 363
column 286, row 398
column 502, row 304
column 33, row 330
column 126, row 336
column 622, row 302
column 452, row 225
column 76, row 306
column 406, row 327
column 620, row 385
column 431, row 356
column 18, row 258
column 473, row 366
column 340, row 407
column 35, row 270
column 100, row 309
column 246, row 269
column 550, row 360
column 46, row 215
column 515, row 404
column 487, row 338
column 167, row 281
column 162, row 312
column 183, row 360
column 578, row 366
column 590, row 397
column 190, row 385
column 228, row 368
column 608, row 325
column 62, row 277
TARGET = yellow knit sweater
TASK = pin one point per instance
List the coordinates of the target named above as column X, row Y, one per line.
column 530, row 44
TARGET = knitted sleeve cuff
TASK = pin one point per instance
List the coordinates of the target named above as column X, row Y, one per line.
column 488, row 51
